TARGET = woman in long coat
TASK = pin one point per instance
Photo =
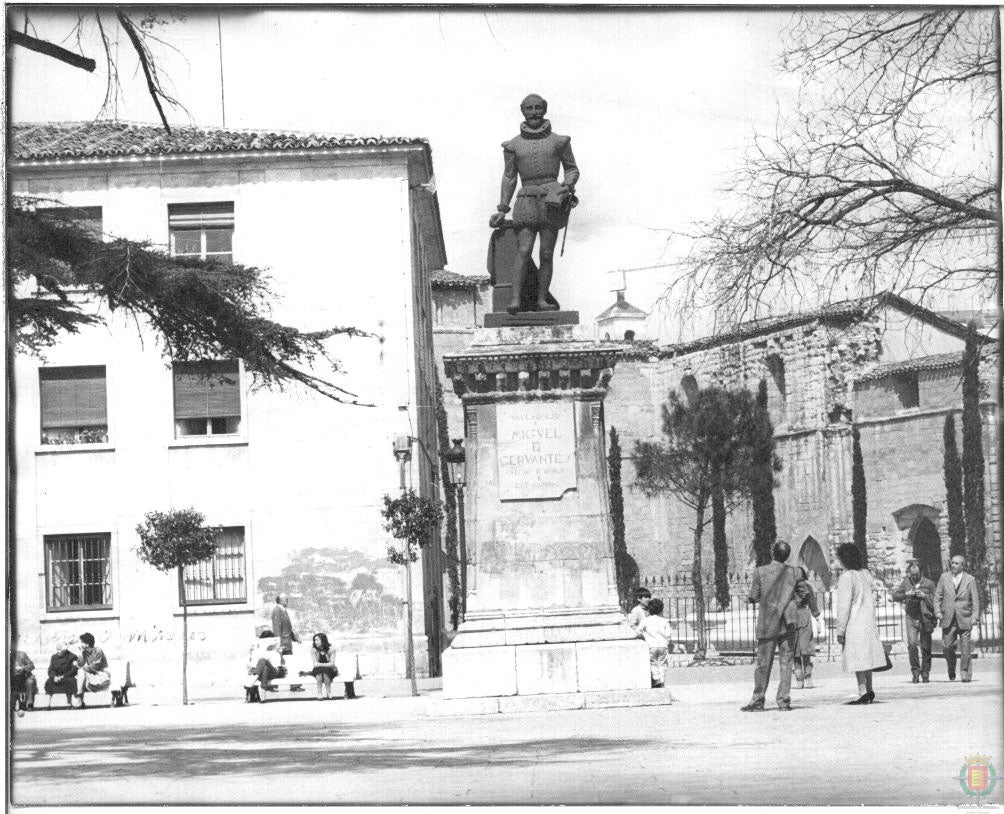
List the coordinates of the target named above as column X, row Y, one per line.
column 857, row 629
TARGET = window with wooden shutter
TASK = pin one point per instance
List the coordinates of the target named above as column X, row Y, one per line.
column 220, row 579
column 74, row 405
column 207, row 398
column 203, row 230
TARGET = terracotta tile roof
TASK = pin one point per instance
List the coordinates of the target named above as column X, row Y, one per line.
column 939, row 360
column 837, row 312
column 621, row 308
column 988, row 353
column 441, row 278
column 106, row 138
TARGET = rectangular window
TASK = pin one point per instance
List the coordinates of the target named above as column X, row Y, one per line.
column 207, row 398
column 78, row 571
column 204, row 230
column 74, row 405
column 220, row 579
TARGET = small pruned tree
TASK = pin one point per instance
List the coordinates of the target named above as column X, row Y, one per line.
column 705, row 448
column 764, row 464
column 410, row 518
column 859, row 497
column 172, row 540
column 953, row 492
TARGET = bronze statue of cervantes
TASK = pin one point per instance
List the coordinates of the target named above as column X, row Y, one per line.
column 542, row 203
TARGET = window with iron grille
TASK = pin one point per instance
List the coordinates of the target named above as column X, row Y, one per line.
column 207, row 398
column 74, row 405
column 220, row 579
column 78, row 571
column 203, row 230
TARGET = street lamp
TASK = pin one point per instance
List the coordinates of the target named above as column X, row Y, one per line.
column 402, row 451
column 456, row 462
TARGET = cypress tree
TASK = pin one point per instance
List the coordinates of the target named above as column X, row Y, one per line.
column 624, row 565
column 972, row 462
column 859, row 497
column 765, row 464
column 953, row 491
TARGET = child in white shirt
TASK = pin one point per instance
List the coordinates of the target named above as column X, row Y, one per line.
column 640, row 610
column 656, row 632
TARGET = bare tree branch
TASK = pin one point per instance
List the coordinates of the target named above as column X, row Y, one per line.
column 25, row 40
column 885, row 177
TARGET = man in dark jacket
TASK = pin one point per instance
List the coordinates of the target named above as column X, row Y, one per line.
column 916, row 592
column 779, row 590
column 282, row 626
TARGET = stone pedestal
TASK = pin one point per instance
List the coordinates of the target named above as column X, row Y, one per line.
column 542, row 609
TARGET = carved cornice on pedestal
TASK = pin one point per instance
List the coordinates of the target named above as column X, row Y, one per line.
column 534, row 371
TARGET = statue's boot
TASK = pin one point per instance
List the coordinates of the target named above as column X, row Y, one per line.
column 512, row 308
column 544, row 305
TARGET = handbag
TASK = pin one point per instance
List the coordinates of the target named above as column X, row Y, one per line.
column 888, row 662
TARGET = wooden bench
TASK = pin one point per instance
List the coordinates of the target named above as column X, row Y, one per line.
column 298, row 676
column 118, row 691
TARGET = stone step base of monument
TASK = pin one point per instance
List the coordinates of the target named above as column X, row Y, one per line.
column 589, row 665
column 550, row 702
column 524, row 318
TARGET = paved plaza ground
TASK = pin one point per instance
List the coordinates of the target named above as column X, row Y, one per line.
column 905, row 749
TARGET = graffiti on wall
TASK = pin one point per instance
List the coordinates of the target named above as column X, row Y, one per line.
column 337, row 590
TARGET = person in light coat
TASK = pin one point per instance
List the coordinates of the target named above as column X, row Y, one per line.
column 857, row 629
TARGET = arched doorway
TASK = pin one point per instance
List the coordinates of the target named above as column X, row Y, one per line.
column 812, row 558
column 927, row 547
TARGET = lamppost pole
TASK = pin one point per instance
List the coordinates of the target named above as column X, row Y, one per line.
column 456, row 460
column 462, row 544
column 402, row 451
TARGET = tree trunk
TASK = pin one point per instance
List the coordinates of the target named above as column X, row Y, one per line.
column 697, row 578
column 184, row 640
column 409, row 640
column 720, row 547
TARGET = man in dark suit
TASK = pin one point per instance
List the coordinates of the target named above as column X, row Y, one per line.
column 957, row 603
column 282, row 626
column 778, row 588
column 916, row 592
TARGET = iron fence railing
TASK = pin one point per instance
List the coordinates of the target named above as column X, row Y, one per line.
column 733, row 629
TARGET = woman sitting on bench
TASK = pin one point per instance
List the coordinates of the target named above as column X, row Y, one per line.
column 323, row 656
column 93, row 675
column 62, row 674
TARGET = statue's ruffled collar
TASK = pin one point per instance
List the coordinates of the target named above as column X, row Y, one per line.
column 535, row 132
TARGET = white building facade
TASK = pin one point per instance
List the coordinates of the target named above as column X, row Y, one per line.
column 108, row 429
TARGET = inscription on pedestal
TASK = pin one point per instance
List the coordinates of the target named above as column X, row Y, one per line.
column 536, row 450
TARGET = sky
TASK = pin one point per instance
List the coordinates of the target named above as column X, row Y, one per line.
column 659, row 105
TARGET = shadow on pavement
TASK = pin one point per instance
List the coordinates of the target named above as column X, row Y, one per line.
column 197, row 752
